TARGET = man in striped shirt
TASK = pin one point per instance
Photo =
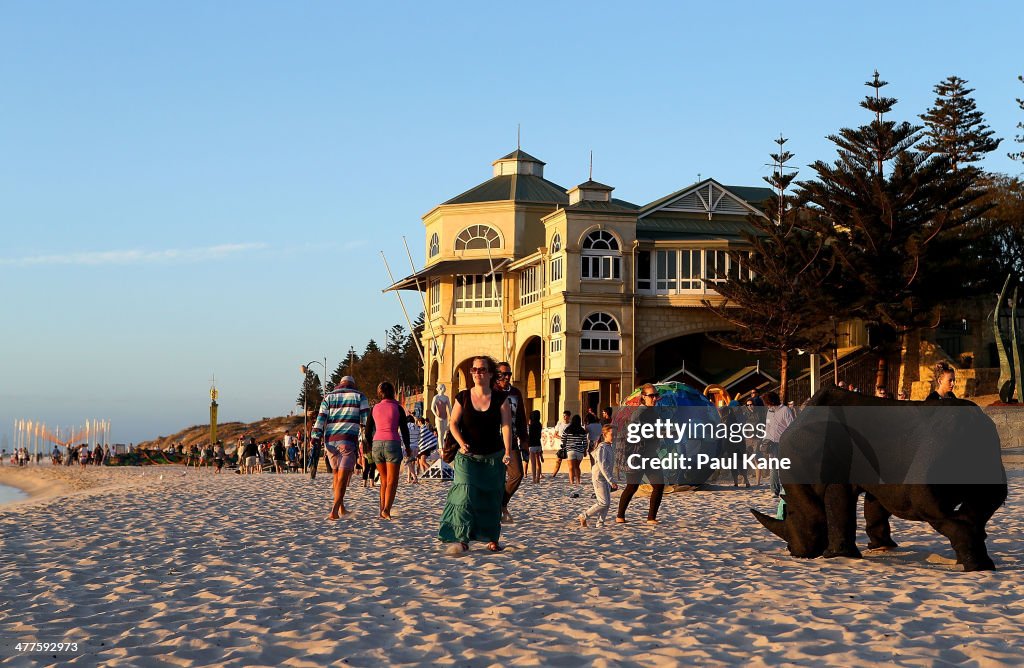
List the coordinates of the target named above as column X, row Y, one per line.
column 342, row 412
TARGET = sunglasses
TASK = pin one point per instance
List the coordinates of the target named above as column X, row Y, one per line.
column 653, row 396
column 504, row 374
column 479, row 369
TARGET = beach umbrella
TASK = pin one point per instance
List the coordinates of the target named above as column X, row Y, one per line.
column 695, row 431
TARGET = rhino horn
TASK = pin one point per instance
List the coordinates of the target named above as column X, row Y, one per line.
column 776, row 526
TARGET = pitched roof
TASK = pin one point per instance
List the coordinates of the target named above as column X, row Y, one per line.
column 614, row 206
column 520, row 154
column 692, row 227
column 753, row 196
column 515, row 187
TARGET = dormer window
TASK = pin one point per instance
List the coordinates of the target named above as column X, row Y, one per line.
column 477, row 237
column 600, row 255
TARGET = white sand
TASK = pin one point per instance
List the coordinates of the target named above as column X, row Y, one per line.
column 243, row 571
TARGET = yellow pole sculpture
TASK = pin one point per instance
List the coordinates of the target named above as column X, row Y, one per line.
column 213, row 415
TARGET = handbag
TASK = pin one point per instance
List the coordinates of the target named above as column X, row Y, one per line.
column 449, row 448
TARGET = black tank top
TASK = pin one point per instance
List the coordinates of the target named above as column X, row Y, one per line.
column 481, row 430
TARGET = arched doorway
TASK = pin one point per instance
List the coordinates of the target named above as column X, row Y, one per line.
column 696, row 359
column 527, row 374
column 462, row 379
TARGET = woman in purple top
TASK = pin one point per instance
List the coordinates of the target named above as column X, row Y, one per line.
column 386, row 429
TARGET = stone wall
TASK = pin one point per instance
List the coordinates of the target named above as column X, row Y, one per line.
column 1009, row 423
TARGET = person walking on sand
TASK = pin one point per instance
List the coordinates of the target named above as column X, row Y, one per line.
column 645, row 415
column 559, row 430
column 520, row 435
column 536, row 447
column 411, row 463
column 250, row 457
column 388, row 431
column 601, row 477
column 219, row 455
column 427, row 443
column 575, row 441
column 482, row 426
column 337, row 429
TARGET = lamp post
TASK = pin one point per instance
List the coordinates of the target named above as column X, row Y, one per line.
column 306, row 445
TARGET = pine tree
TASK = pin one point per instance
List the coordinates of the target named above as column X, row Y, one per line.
column 893, row 216
column 778, row 301
column 1019, row 138
column 310, row 395
column 955, row 127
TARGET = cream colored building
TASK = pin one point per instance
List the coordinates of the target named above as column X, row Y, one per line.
column 584, row 294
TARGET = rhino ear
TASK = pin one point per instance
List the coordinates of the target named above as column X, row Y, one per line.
column 776, row 526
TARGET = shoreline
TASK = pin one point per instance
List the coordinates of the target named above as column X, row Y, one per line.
column 34, row 486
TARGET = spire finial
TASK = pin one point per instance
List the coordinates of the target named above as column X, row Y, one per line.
column 518, row 127
column 591, row 164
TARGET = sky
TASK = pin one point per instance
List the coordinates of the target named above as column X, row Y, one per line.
column 193, row 189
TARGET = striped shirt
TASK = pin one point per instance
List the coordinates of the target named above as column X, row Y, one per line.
column 428, row 440
column 575, row 442
column 341, row 412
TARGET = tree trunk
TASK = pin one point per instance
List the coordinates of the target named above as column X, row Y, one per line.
column 783, row 375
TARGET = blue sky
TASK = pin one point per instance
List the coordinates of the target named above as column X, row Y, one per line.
column 196, row 188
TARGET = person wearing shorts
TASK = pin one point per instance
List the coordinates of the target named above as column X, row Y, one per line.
column 342, row 412
column 559, row 431
column 388, row 431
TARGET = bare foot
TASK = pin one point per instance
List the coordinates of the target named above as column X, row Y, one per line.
column 652, row 521
column 385, row 516
column 494, row 547
column 457, row 548
column 343, row 511
column 620, row 520
column 583, row 520
column 505, row 517
column 332, row 517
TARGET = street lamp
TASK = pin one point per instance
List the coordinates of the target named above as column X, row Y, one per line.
column 305, row 410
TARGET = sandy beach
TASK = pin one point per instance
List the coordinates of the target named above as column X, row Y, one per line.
column 163, row 567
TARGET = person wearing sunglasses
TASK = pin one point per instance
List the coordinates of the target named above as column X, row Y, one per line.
column 520, row 435
column 649, row 396
column 481, row 424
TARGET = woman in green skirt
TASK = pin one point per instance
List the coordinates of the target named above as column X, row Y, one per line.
column 481, row 423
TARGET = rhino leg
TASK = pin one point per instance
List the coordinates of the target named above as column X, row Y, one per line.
column 841, row 518
column 968, row 541
column 876, row 517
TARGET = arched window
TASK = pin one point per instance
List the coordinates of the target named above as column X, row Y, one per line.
column 600, row 333
column 435, row 245
column 477, row 237
column 556, row 272
column 556, row 334
column 601, row 257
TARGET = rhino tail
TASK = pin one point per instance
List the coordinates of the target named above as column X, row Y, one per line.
column 776, row 526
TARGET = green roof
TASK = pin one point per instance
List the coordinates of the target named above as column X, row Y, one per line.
column 515, row 187
column 614, row 206
column 693, row 227
column 519, row 154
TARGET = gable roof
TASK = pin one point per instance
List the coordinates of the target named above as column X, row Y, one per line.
column 514, row 187
column 710, row 197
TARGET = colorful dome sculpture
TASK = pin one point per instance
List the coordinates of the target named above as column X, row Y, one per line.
column 684, row 406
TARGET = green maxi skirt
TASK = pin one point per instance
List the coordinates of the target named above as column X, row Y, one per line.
column 472, row 511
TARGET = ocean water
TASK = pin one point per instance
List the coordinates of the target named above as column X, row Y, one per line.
column 8, row 494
